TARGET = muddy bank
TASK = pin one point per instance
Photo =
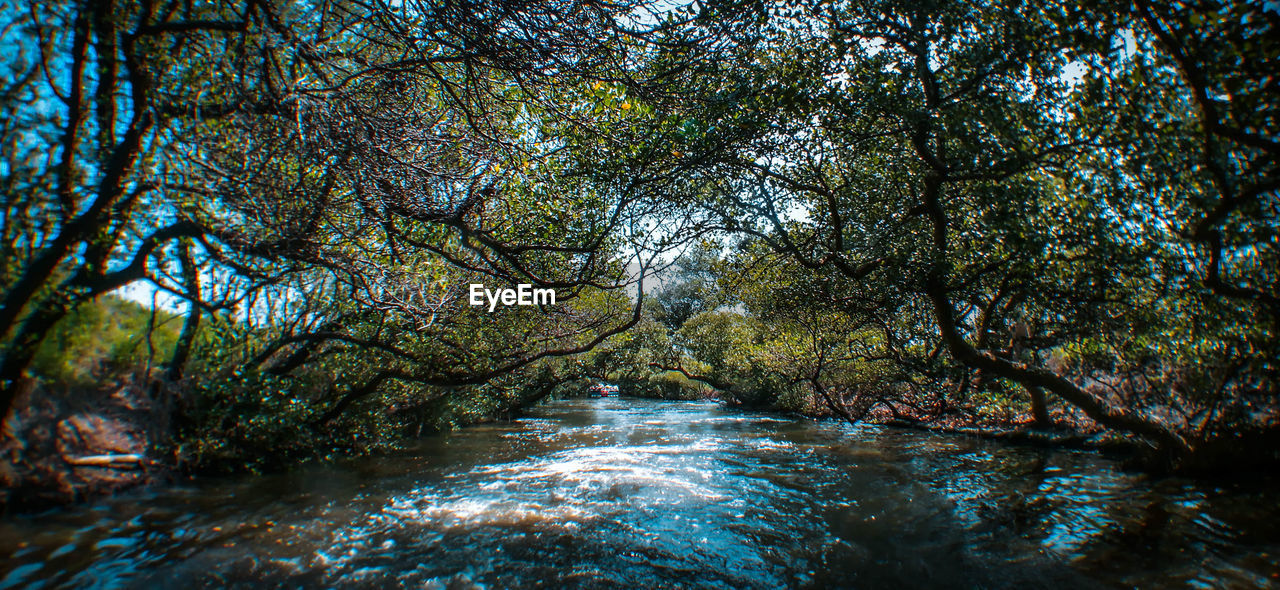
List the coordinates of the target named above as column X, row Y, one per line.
column 64, row 446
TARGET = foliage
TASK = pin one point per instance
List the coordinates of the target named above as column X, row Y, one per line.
column 884, row 206
column 103, row 341
column 1063, row 198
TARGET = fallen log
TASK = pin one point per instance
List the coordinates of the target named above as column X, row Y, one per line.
column 113, row 461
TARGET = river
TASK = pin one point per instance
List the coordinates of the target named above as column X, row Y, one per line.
column 609, row 493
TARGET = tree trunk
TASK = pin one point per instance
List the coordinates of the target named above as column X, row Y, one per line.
column 1040, row 407
column 22, row 349
column 1166, row 439
column 191, row 276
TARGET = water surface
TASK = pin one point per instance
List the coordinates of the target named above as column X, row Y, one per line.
column 628, row 493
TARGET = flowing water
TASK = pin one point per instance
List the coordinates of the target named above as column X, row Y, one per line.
column 640, row 494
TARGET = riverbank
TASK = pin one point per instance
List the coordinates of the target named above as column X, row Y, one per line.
column 66, row 446
column 75, row 446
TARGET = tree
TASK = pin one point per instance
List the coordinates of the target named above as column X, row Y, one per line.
column 330, row 175
column 984, row 164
